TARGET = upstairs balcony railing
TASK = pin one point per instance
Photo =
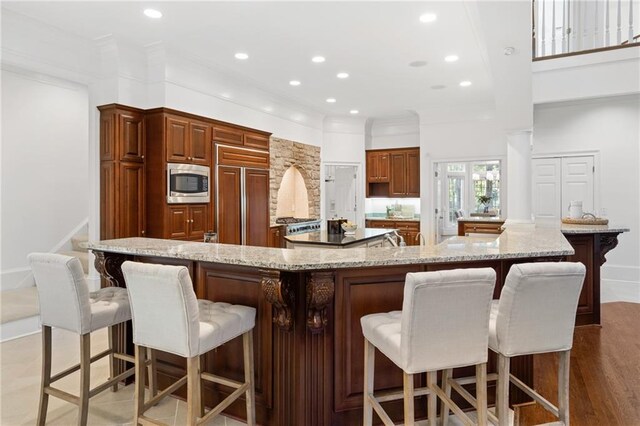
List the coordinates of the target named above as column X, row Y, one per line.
column 570, row 27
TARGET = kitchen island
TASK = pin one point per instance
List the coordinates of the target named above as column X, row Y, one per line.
column 367, row 237
column 308, row 340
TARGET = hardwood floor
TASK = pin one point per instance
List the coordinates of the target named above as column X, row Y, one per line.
column 605, row 372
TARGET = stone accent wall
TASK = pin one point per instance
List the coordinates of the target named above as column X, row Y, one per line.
column 285, row 153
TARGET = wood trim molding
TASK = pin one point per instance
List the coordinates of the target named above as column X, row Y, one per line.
column 607, row 243
column 320, row 292
column 278, row 291
column 110, row 267
column 585, row 52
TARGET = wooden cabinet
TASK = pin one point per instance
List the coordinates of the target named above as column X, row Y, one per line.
column 135, row 147
column 243, row 218
column 188, row 141
column 276, row 236
column 122, row 172
column 407, row 229
column 475, row 227
column 583, row 245
column 377, row 166
column 187, row 221
column 393, row 173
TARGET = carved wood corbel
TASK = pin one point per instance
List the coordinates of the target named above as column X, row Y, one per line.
column 607, row 243
column 109, row 266
column 279, row 293
column 320, row 292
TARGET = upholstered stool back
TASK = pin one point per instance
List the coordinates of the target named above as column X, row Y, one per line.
column 164, row 307
column 62, row 292
column 537, row 308
column 445, row 318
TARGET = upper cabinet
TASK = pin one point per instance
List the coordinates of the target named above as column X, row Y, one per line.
column 188, row 141
column 393, row 173
column 121, row 134
column 377, row 166
column 236, row 136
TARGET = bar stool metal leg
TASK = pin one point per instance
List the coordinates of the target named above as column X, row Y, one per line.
column 247, row 343
column 85, row 376
column 46, row 374
column 407, row 381
column 194, row 396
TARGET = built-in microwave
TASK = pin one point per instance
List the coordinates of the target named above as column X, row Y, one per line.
column 187, row 183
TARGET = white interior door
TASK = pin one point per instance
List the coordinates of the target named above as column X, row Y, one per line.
column 577, row 183
column 547, row 189
column 341, row 195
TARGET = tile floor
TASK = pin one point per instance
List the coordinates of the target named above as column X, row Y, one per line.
column 20, row 361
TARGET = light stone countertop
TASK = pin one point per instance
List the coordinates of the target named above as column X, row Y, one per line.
column 511, row 244
column 394, row 219
column 592, row 229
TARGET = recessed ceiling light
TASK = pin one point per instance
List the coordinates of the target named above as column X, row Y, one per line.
column 294, row 83
column 354, row 111
column 331, row 100
column 241, row 55
column 428, row 17
column 465, row 83
column 417, row 64
column 152, row 13
column 451, row 58
column 342, row 75
column 438, row 86
column 318, row 59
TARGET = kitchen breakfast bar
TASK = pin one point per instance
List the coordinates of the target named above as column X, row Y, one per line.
column 308, row 340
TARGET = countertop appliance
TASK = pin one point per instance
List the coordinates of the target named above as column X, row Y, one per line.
column 187, row 183
column 298, row 225
column 334, row 226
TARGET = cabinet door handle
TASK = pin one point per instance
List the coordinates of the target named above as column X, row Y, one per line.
column 142, row 156
column 142, row 232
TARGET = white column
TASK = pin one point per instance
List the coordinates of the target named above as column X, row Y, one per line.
column 519, row 177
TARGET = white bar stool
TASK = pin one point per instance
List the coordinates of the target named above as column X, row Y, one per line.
column 168, row 317
column 65, row 302
column 535, row 314
column 444, row 323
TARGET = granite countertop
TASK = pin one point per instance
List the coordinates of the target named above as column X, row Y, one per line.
column 592, row 229
column 395, row 219
column 323, row 238
column 481, row 219
column 511, row 244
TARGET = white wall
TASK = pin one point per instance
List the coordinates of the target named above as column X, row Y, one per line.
column 393, row 132
column 45, row 190
column 343, row 141
column 444, row 136
column 610, row 126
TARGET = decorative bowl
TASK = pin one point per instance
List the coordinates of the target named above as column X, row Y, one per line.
column 349, row 228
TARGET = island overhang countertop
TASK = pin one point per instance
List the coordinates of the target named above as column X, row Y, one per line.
column 511, row 244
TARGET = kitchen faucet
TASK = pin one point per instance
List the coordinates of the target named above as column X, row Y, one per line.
column 420, row 238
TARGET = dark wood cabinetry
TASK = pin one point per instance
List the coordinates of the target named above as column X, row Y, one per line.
column 407, row 229
column 187, row 221
column 474, row 227
column 393, row 173
column 187, row 141
column 135, row 147
column 122, row 171
column 276, row 236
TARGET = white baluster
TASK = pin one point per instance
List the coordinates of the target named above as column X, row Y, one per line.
column 585, row 27
column 565, row 26
column 630, row 21
column 553, row 25
column 619, row 22
column 606, row 24
column 543, row 30
column 569, row 27
column 596, row 41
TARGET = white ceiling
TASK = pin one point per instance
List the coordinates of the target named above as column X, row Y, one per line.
column 373, row 41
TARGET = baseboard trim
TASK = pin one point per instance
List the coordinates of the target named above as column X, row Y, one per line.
column 19, row 328
column 619, row 291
